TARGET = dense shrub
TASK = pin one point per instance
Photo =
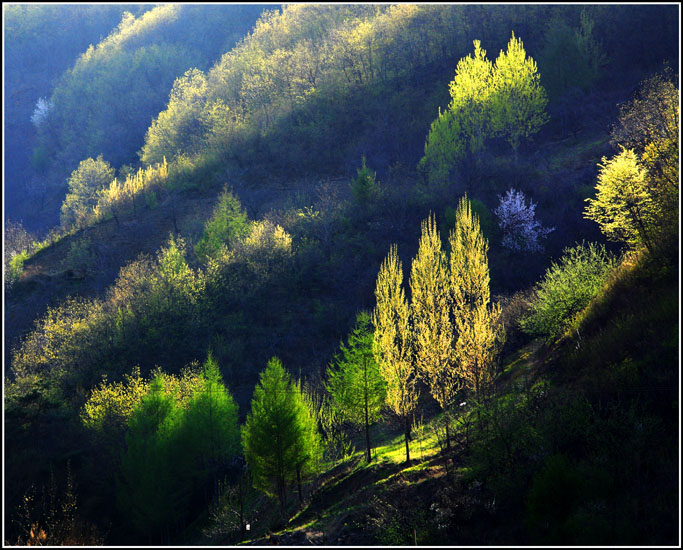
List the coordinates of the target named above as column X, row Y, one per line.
column 567, row 287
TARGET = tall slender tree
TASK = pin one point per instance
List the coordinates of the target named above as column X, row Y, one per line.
column 392, row 341
column 476, row 319
column 354, row 381
column 433, row 335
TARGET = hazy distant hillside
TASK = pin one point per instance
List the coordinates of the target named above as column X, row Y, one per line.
column 106, row 83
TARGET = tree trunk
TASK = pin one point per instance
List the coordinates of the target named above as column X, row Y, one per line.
column 448, row 437
column 298, row 482
column 281, row 494
column 367, row 438
column 407, row 439
column 367, row 419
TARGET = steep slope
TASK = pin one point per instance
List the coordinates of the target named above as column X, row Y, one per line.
column 583, row 469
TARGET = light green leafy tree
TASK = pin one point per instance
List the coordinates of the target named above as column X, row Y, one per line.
column 85, row 183
column 623, row 205
column 649, row 125
column 228, row 224
column 518, row 99
column 566, row 288
column 177, row 129
column 460, row 132
column 470, row 96
column 357, row 388
column 504, row 99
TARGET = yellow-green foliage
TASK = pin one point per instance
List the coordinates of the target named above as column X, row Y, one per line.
column 470, row 95
column 487, row 100
column 130, row 29
column 151, row 303
column 623, row 205
column 115, row 402
column 519, row 100
column 85, row 183
column 566, row 288
column 16, row 266
column 392, row 337
column 171, row 132
column 476, row 319
column 62, row 339
column 117, row 195
column 637, row 191
column 290, row 59
column 266, row 247
column 463, row 128
column 433, row 334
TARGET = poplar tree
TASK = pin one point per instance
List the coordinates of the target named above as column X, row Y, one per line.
column 354, row 381
column 433, row 336
column 476, row 319
column 392, row 341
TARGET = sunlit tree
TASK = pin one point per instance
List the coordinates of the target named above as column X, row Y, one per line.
column 518, row 98
column 392, row 341
column 476, row 319
column 623, row 205
column 433, row 332
column 85, row 183
column 358, row 390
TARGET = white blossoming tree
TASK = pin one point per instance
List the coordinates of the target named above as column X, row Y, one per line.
column 39, row 115
column 517, row 219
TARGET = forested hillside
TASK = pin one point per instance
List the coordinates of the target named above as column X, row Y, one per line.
column 272, row 273
column 86, row 80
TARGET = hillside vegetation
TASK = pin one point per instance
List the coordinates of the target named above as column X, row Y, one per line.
column 358, row 274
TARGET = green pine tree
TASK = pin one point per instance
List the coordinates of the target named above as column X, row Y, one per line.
column 210, row 423
column 357, row 388
column 274, row 435
column 228, row 224
column 148, row 490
